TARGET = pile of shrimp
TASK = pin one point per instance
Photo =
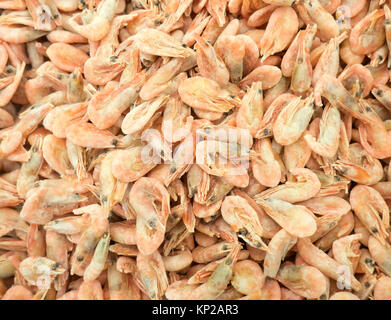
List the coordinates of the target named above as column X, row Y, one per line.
column 195, row 149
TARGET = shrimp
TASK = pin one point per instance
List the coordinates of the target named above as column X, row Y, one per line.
column 98, row 24
column 33, row 268
column 243, row 218
column 327, row 26
column 280, row 30
column 320, row 260
column 327, row 142
column 368, row 35
column 305, row 281
column 368, row 204
column 382, row 288
column 266, row 166
column 287, row 127
column 381, row 253
column 287, row 215
column 206, row 94
column 247, row 277
column 306, row 187
column 151, row 219
column 278, row 247
column 218, row 280
column 155, row 42
column 151, row 274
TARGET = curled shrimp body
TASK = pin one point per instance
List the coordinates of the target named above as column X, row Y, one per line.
column 205, row 94
column 250, row 113
column 278, row 247
column 359, row 166
column 210, row 64
column 141, row 114
column 368, row 35
column 306, row 281
column 306, row 187
column 243, row 218
column 89, row 136
column 382, row 288
column 247, row 277
column 281, row 29
column 327, row 142
column 327, row 26
column 33, row 268
column 320, row 260
column 104, row 109
column 266, row 165
column 368, row 205
column 151, row 202
column 346, row 250
column 381, row 253
column 151, row 274
column 292, row 121
column 218, row 280
column 155, row 42
column 328, row 62
column 98, row 24
column 287, row 216
column 302, row 69
column 89, row 239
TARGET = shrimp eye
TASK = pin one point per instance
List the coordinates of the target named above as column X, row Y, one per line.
column 323, row 297
column 228, row 261
column 172, row 170
column 258, row 244
column 80, row 258
column 368, row 261
column 184, row 45
column 266, row 132
column 194, row 192
column 152, row 223
column 175, row 215
column 55, row 266
column 367, row 284
column 59, row 76
column 368, row 109
column 104, row 199
column 115, row 141
column 387, row 21
column 157, row 22
column 243, row 232
column 374, row 230
column 212, row 198
column 232, row 96
column 55, row 16
column 260, row 91
column 379, row 92
column 168, row 236
column 300, row 60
